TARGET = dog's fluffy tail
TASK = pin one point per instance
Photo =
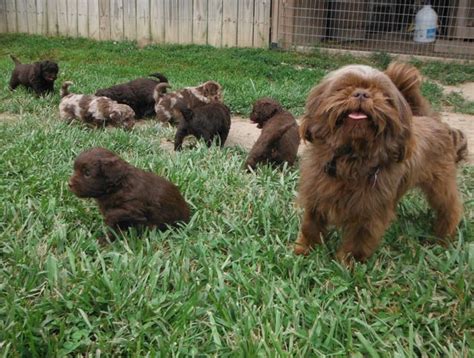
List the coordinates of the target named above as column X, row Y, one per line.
column 460, row 144
column 65, row 88
column 407, row 78
column 17, row 61
column 160, row 89
column 158, row 75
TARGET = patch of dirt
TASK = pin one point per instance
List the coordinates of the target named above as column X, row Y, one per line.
column 6, row 117
column 464, row 122
column 465, row 89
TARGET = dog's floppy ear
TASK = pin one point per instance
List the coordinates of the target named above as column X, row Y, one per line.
column 310, row 125
column 113, row 169
column 160, row 89
column 404, row 137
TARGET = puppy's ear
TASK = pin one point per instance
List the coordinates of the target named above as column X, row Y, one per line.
column 403, row 129
column 311, row 126
column 113, row 169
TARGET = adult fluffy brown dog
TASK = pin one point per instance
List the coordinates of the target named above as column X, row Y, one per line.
column 366, row 151
column 127, row 196
column 279, row 140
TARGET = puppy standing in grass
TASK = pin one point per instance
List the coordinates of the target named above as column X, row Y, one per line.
column 208, row 122
column 94, row 111
column 366, row 151
column 127, row 196
column 278, row 143
column 191, row 97
column 138, row 94
column 39, row 76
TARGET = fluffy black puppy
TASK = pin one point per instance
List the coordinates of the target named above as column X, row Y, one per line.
column 138, row 94
column 38, row 76
column 207, row 122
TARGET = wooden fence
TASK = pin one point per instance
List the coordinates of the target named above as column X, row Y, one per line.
column 242, row 23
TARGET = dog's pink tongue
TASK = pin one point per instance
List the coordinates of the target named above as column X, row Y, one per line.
column 357, row 116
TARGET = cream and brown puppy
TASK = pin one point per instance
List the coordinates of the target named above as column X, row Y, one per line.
column 190, row 97
column 366, row 151
column 94, row 111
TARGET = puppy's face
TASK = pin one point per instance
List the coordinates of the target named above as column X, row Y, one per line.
column 263, row 110
column 357, row 103
column 49, row 70
column 211, row 90
column 97, row 172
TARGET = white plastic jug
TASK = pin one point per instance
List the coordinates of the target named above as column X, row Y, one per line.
column 426, row 22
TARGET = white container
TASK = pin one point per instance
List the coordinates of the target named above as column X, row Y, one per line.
column 426, row 22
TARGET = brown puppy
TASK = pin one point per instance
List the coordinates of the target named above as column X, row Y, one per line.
column 39, row 76
column 138, row 94
column 191, row 97
column 208, row 122
column 279, row 139
column 127, row 196
column 94, row 111
column 366, row 151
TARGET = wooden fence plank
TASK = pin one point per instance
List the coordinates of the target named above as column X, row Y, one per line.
column 93, row 19
column 72, row 18
column 82, row 18
column 52, row 11
column 200, row 11
column 116, row 22
column 185, row 21
column 41, row 17
column 62, row 17
column 130, row 19
column 275, row 35
column 171, row 21
column 261, row 25
column 214, row 23
column 245, row 23
column 104, row 19
column 157, row 20
column 143, row 22
column 3, row 16
column 229, row 22
column 31, row 17
column 22, row 16
column 12, row 25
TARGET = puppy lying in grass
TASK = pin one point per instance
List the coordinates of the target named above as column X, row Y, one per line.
column 191, row 97
column 127, row 196
column 279, row 139
column 94, row 111
column 38, row 76
column 206, row 122
column 137, row 93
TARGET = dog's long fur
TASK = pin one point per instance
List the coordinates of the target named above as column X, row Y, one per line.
column 93, row 110
column 207, row 122
column 191, row 97
column 38, row 76
column 279, row 140
column 127, row 196
column 138, row 94
column 366, row 151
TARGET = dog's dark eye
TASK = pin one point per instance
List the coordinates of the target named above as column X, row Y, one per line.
column 86, row 173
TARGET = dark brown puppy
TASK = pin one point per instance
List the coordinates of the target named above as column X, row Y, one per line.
column 207, row 122
column 38, row 76
column 138, row 94
column 279, row 140
column 127, row 196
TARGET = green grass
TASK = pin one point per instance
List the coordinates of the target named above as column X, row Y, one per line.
column 227, row 284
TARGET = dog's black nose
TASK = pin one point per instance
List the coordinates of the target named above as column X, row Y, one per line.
column 361, row 94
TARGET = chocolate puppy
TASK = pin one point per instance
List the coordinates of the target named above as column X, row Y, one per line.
column 207, row 122
column 127, row 196
column 138, row 94
column 39, row 76
column 279, row 139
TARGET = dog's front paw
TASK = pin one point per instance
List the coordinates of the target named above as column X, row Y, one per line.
column 301, row 246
